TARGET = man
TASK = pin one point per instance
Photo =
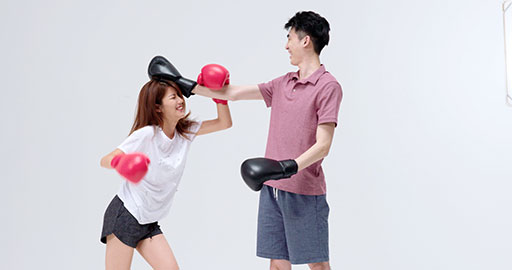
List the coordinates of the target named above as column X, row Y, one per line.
column 293, row 211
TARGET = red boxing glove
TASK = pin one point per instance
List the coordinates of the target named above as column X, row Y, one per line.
column 213, row 76
column 220, row 101
column 133, row 166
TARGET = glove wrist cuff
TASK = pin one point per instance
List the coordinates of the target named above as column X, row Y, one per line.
column 290, row 167
column 115, row 160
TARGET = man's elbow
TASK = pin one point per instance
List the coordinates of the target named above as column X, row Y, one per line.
column 325, row 150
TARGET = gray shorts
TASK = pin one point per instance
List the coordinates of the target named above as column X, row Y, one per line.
column 124, row 226
column 292, row 226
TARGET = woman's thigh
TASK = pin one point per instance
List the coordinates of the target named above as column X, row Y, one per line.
column 118, row 255
column 157, row 252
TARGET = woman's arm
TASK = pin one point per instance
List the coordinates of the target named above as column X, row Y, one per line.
column 231, row 92
column 223, row 121
column 105, row 161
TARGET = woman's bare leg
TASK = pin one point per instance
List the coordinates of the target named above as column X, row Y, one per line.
column 157, row 252
column 118, row 255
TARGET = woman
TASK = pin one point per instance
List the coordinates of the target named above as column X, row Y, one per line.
column 161, row 135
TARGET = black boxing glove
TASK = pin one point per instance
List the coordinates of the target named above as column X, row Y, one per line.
column 161, row 68
column 256, row 171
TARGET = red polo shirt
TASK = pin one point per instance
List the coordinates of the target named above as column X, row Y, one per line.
column 298, row 107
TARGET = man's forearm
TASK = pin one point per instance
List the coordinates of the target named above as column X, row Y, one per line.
column 230, row 92
column 219, row 94
column 320, row 149
column 312, row 155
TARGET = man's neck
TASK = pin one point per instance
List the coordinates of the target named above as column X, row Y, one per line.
column 308, row 66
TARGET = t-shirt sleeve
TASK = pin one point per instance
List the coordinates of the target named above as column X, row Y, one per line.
column 328, row 103
column 267, row 89
column 194, row 129
column 135, row 142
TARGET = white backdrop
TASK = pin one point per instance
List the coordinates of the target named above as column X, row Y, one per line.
column 419, row 174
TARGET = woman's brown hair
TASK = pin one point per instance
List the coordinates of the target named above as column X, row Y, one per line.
column 152, row 94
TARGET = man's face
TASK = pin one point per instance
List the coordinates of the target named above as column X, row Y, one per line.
column 295, row 47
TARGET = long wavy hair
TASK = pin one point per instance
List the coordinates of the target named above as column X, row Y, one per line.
column 150, row 96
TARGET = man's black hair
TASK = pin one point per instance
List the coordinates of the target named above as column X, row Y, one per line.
column 311, row 24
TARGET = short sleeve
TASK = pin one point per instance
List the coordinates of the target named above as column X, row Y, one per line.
column 135, row 142
column 194, row 129
column 328, row 103
column 267, row 89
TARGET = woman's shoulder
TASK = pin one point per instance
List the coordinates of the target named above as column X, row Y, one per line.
column 146, row 131
column 195, row 125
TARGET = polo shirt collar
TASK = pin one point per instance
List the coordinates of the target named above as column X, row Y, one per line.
column 313, row 78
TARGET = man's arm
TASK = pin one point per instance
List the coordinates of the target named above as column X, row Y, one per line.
column 230, row 92
column 256, row 171
column 319, row 150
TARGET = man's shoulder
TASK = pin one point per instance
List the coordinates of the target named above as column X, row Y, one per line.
column 287, row 76
column 327, row 77
column 327, row 80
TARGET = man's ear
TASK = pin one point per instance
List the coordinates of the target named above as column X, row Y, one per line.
column 306, row 41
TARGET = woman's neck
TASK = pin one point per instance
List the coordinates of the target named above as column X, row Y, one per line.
column 169, row 128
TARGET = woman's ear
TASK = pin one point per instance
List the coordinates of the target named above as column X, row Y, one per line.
column 158, row 108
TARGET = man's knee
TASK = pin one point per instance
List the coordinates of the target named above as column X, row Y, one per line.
column 280, row 265
column 320, row 266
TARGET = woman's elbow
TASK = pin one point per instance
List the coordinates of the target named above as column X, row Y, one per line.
column 102, row 162
column 228, row 124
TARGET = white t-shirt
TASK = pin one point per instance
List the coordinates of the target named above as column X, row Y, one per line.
column 150, row 200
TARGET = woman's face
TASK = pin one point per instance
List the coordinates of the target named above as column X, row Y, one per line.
column 173, row 106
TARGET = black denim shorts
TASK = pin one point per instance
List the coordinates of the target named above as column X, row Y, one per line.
column 124, row 226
